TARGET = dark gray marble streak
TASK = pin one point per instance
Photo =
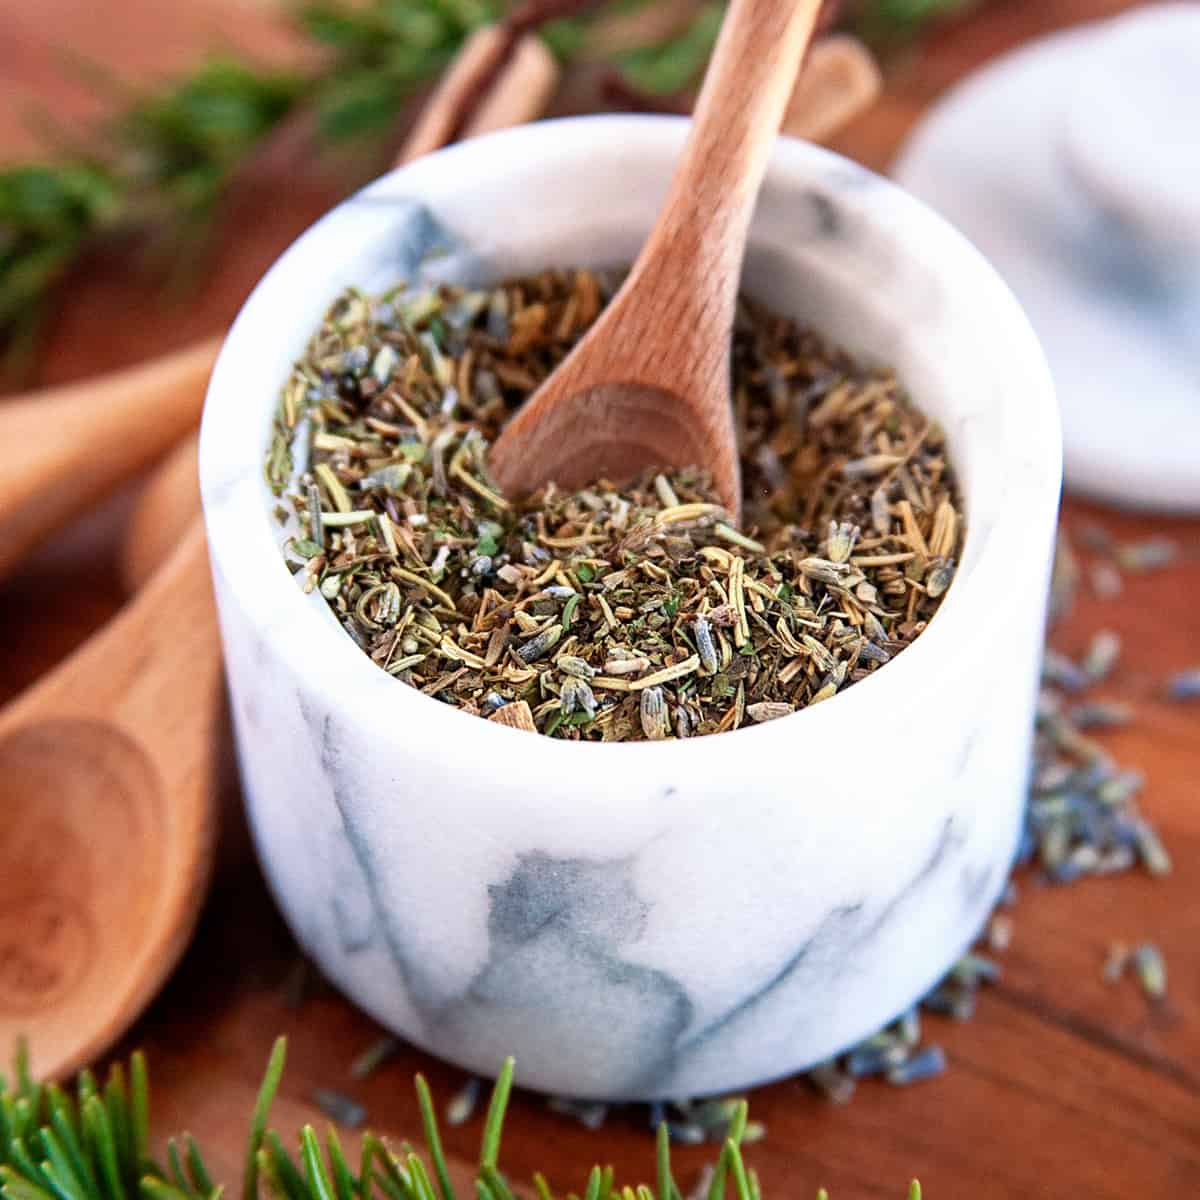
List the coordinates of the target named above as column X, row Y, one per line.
column 838, row 938
column 555, row 931
column 831, row 932
column 359, row 912
column 826, row 215
column 420, row 248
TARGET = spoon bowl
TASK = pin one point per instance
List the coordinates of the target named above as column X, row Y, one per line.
column 108, row 791
column 83, row 859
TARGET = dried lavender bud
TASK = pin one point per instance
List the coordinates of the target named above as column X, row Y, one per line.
column 1150, row 555
column 540, row 645
column 462, row 1105
column 655, row 724
column 833, row 1083
column 768, row 710
column 572, row 664
column 1101, row 655
column 1151, row 970
column 926, row 1064
column 577, row 696
column 710, row 660
column 840, row 543
column 374, row 1056
column 939, row 578
column 1185, row 685
column 339, row 1107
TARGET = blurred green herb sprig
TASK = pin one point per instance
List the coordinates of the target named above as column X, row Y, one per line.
column 95, row 1145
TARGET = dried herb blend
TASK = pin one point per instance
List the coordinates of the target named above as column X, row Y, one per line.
column 614, row 613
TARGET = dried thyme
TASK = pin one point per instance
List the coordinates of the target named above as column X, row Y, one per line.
column 613, row 613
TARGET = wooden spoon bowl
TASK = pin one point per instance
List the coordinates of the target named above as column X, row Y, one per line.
column 107, row 789
column 82, row 858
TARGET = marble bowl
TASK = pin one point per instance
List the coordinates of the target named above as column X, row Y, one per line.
column 645, row 920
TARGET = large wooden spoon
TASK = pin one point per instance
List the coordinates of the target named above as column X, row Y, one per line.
column 166, row 507
column 65, row 448
column 649, row 384
column 107, row 802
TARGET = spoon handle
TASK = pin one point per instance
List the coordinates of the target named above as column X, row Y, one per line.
column 65, row 448
column 164, row 510
column 699, row 239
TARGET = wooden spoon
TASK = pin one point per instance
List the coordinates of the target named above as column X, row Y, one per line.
column 107, row 792
column 67, row 447
column 649, row 384
column 168, row 504
column 840, row 80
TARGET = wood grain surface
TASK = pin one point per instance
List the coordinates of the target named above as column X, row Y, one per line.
column 1062, row 1086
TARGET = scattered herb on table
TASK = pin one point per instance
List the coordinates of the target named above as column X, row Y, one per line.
column 610, row 613
column 1184, row 685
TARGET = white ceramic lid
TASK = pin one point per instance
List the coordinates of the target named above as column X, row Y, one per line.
column 1074, row 165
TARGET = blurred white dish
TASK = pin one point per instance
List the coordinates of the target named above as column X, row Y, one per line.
column 1073, row 164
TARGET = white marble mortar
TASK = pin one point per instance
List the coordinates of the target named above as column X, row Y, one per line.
column 645, row 920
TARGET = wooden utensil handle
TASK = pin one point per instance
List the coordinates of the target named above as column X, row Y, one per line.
column 66, row 448
column 128, row 669
column 739, row 110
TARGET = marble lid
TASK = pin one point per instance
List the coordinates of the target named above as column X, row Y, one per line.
column 1067, row 162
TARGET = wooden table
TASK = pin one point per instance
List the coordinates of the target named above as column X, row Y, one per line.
column 1061, row 1086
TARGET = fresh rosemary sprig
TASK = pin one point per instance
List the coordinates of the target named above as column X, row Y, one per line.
column 95, row 1146
column 380, row 52
column 162, row 163
column 887, row 24
column 678, row 63
column 49, row 214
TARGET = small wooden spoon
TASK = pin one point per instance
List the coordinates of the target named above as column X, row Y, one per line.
column 649, row 384
column 107, row 792
column 67, row 447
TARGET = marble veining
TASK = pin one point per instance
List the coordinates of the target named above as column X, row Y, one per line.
column 639, row 921
column 556, row 932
